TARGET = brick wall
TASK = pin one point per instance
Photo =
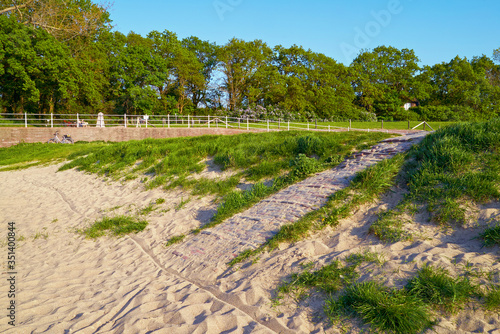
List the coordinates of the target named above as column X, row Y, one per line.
column 12, row 136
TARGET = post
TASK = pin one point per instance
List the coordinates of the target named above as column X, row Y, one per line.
column 208, row 122
column 307, row 125
column 424, row 126
column 238, row 122
column 226, row 122
column 267, row 125
column 146, row 121
column 247, row 124
column 168, row 121
column 25, row 119
column 188, row 122
column 51, row 120
column 382, row 124
column 77, row 120
column 279, row 123
column 408, row 125
column 350, row 124
column 124, row 119
column 328, row 127
column 316, row 124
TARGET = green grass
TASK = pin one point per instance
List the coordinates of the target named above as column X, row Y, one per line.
column 492, row 299
column 437, row 287
column 175, row 240
column 389, row 310
column 328, row 279
column 389, row 227
column 455, row 167
column 25, row 155
column 259, row 156
column 116, row 226
column 491, row 236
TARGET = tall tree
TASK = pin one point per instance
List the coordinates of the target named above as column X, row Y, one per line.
column 63, row 19
column 241, row 64
column 38, row 73
column 206, row 53
column 385, row 78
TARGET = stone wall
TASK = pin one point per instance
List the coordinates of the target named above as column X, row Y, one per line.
column 11, row 136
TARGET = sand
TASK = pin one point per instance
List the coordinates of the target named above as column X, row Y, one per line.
column 68, row 284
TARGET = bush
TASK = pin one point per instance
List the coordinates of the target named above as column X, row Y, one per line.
column 302, row 166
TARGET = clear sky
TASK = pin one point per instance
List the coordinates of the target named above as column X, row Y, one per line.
column 437, row 30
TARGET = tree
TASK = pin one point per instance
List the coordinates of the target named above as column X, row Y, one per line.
column 465, row 84
column 496, row 55
column 206, row 54
column 38, row 73
column 241, row 64
column 63, row 19
column 385, row 79
column 185, row 70
column 136, row 74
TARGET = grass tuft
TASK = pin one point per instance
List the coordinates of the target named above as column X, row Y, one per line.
column 435, row 286
column 117, row 226
column 492, row 299
column 386, row 309
column 175, row 240
column 491, row 236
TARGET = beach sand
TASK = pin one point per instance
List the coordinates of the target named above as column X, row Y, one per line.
column 68, row 284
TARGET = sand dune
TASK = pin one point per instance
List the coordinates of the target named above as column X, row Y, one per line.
column 69, row 284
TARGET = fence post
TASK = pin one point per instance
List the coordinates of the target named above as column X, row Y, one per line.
column 168, row 121
column 382, row 124
column 279, row 123
column 226, row 122
column 239, row 122
column 25, row 119
column 267, row 125
column 51, row 120
column 316, row 124
column 328, row 128
column 146, row 119
column 77, row 120
column 208, row 122
column 188, row 122
column 408, row 125
column 350, row 124
column 125, row 120
column 247, row 124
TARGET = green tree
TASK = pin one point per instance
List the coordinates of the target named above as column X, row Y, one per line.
column 38, row 73
column 206, row 54
column 241, row 64
column 465, row 84
column 63, row 19
column 385, row 79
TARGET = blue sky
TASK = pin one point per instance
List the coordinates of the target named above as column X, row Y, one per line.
column 437, row 30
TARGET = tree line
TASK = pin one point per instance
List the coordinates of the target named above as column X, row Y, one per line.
column 61, row 56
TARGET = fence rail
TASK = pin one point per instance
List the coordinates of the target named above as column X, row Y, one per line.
column 169, row 121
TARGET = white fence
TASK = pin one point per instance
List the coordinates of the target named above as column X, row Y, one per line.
column 165, row 121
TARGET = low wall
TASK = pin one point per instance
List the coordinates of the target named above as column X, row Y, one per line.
column 11, row 136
